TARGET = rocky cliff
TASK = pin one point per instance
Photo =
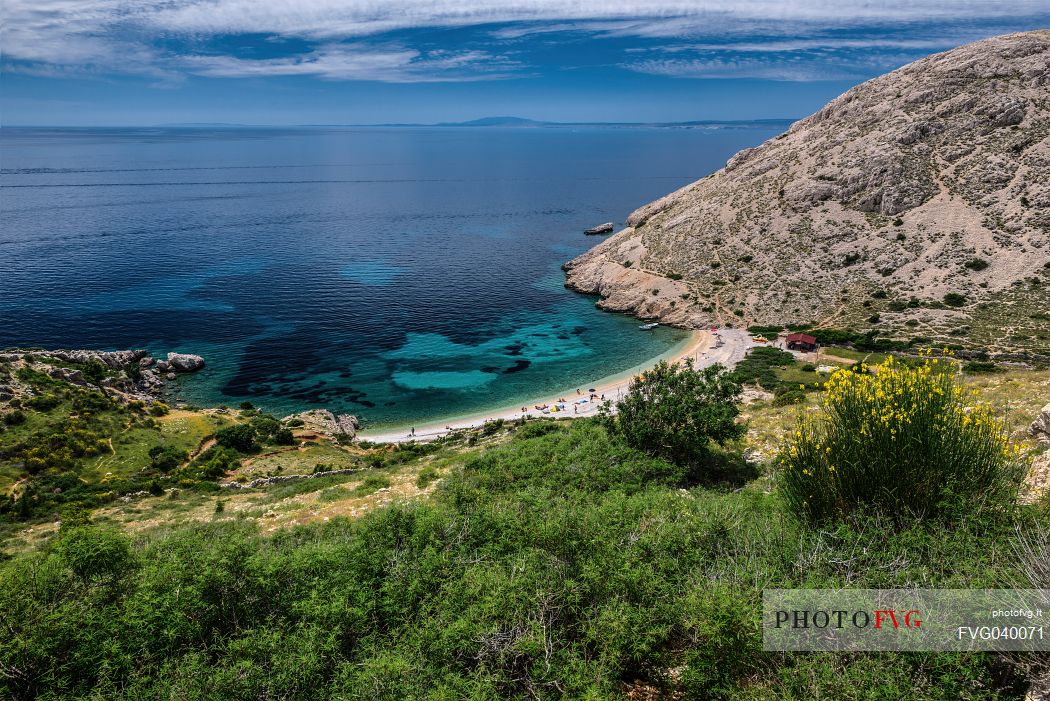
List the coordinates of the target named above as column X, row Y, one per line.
column 929, row 181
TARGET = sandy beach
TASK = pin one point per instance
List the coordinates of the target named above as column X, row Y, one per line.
column 725, row 346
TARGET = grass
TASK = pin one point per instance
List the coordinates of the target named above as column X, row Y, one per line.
column 855, row 355
column 290, row 460
column 180, row 429
column 556, row 564
column 546, row 561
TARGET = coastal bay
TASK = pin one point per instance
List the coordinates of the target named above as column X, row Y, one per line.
column 364, row 270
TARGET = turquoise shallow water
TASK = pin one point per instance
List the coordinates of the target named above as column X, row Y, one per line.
column 403, row 275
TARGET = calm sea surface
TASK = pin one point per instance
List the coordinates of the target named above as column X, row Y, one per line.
column 399, row 274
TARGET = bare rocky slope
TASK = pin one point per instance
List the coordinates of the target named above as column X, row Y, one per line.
column 929, row 180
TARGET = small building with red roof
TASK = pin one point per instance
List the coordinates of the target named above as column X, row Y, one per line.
column 801, row 342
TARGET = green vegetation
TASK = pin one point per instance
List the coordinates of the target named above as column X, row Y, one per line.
column 563, row 564
column 760, row 367
column 593, row 559
column 240, row 437
column 902, row 443
column 954, row 299
column 976, row 264
column 777, row 371
column 674, row 411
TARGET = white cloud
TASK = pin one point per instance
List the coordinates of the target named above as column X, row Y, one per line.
column 138, row 36
column 341, row 18
column 349, row 62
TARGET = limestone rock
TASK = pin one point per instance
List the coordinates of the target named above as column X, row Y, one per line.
column 605, row 228
column 113, row 359
column 1040, row 428
column 75, row 377
column 894, row 185
column 184, row 362
column 328, row 423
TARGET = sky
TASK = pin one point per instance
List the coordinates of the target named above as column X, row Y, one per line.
column 289, row 62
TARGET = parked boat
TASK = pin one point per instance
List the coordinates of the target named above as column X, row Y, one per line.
column 647, row 327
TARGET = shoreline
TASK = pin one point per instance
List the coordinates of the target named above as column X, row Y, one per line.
column 725, row 346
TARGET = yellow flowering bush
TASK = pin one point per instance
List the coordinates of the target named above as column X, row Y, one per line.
column 900, row 440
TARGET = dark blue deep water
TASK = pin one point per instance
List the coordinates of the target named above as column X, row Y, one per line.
column 400, row 274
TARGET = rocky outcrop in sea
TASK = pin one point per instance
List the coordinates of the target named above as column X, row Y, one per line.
column 131, row 372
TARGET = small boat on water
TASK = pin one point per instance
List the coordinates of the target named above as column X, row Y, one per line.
column 647, row 327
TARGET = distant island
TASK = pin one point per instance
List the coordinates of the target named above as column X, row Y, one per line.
column 505, row 123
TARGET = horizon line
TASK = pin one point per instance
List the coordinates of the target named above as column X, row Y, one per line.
column 481, row 123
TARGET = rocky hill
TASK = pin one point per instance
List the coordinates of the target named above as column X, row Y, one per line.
column 928, row 181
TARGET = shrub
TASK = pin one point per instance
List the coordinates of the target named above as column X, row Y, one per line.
column 93, row 552
column 370, row 484
column 284, row 436
column 764, row 329
column 954, row 299
column 760, row 366
column 159, row 409
column 674, row 276
column 902, row 442
column 789, row 396
column 238, row 437
column 14, row 418
column 42, row 403
column 166, row 458
column 535, row 429
column 215, row 462
column 674, row 412
column 976, row 264
column 94, row 371
column 426, row 477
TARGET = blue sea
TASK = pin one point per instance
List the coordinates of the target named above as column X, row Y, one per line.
column 400, row 274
